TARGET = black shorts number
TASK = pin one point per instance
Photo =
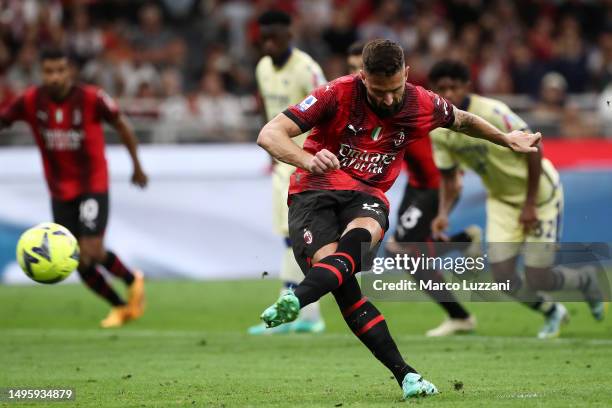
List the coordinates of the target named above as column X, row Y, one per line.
column 87, row 215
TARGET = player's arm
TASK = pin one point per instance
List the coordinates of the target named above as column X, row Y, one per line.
column 275, row 138
column 475, row 126
column 450, row 189
column 129, row 140
column 108, row 111
column 529, row 214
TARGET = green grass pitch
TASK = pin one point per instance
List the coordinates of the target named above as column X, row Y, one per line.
column 191, row 349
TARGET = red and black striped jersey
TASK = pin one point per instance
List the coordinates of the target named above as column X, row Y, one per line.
column 69, row 135
column 421, row 166
column 370, row 148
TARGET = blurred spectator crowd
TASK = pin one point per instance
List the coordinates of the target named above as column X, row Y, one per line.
column 190, row 63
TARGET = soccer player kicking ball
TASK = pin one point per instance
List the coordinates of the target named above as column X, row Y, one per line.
column 285, row 76
column 66, row 120
column 418, row 208
column 361, row 124
column 524, row 204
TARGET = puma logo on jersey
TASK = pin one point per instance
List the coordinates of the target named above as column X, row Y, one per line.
column 352, row 129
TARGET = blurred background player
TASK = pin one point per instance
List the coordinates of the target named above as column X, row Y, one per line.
column 524, row 203
column 66, row 121
column 417, row 210
column 285, row 76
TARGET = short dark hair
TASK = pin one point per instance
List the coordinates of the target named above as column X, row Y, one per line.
column 383, row 57
column 271, row 17
column 53, row 54
column 448, row 68
column 355, row 48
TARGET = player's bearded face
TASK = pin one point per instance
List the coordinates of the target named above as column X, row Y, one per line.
column 56, row 76
column 385, row 93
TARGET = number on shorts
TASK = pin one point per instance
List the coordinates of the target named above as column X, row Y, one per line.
column 88, row 212
column 410, row 217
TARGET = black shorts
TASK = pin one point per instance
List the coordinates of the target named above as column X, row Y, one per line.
column 318, row 218
column 86, row 215
column 418, row 209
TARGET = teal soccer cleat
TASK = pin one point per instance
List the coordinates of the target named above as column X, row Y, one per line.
column 285, row 310
column 414, row 385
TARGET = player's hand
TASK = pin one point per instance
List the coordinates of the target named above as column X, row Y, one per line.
column 323, row 162
column 529, row 217
column 139, row 178
column 439, row 225
column 523, row 142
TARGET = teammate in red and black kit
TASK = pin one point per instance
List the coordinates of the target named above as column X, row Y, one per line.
column 417, row 210
column 360, row 126
column 66, row 121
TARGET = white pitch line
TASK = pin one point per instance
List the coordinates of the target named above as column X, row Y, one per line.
column 197, row 334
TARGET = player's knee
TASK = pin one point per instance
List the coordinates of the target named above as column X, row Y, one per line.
column 539, row 278
column 324, row 252
column 505, row 271
column 369, row 224
column 92, row 253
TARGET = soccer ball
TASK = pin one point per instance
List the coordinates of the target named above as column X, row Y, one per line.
column 48, row 253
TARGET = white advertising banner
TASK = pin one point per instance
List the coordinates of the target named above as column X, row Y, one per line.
column 206, row 213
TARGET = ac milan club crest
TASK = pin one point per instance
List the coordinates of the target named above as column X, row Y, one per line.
column 307, row 236
column 399, row 139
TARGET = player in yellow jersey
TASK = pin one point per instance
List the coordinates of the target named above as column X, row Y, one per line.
column 524, row 202
column 285, row 76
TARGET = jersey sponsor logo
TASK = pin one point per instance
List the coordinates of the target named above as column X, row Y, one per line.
column 62, row 139
column 376, row 133
column 362, row 160
column 307, row 236
column 307, row 103
column 278, row 99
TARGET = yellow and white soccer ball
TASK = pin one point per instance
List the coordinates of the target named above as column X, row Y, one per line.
column 48, row 252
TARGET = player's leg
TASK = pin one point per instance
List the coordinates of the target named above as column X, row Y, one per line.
column 133, row 279
column 540, row 256
column 66, row 213
column 93, row 218
column 417, row 210
column 369, row 325
column 315, row 219
column 506, row 237
column 313, row 225
column 310, row 319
